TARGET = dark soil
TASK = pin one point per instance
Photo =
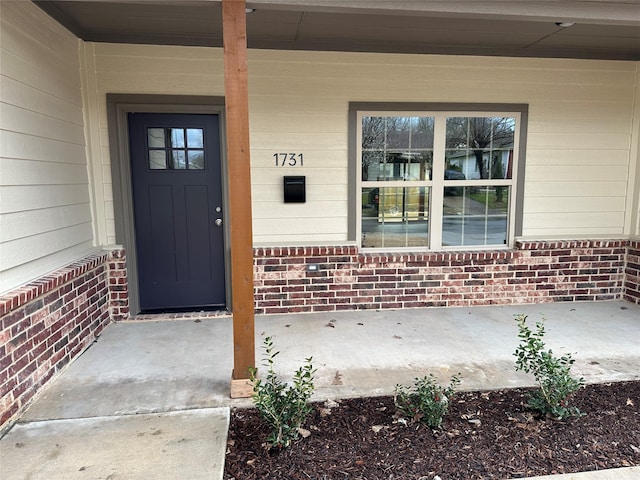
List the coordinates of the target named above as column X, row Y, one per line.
column 485, row 435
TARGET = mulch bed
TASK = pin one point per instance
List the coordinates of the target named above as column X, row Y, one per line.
column 485, row 435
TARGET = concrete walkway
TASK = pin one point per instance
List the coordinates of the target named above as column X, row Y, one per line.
column 150, row 400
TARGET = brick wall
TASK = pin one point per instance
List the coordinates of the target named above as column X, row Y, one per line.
column 632, row 273
column 47, row 323
column 533, row 272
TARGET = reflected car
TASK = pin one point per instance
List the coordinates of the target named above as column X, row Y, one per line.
column 453, row 175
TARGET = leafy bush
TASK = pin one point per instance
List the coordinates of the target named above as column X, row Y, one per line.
column 283, row 407
column 553, row 374
column 426, row 401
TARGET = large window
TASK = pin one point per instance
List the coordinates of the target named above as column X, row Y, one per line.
column 443, row 179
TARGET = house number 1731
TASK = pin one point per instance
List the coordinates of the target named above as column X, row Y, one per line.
column 288, row 159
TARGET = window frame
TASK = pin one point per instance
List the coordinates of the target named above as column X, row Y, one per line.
column 440, row 111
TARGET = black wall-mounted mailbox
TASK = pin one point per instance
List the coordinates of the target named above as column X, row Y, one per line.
column 294, row 189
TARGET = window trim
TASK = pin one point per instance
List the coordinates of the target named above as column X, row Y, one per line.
column 514, row 228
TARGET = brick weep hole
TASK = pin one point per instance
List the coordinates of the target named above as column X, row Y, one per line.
column 47, row 323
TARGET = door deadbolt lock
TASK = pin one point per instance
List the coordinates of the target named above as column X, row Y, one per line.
column 218, row 222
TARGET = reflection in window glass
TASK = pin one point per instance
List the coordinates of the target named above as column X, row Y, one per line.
column 195, row 159
column 195, row 138
column 475, row 216
column 155, row 137
column 480, row 147
column 177, row 137
column 395, row 217
column 157, row 160
column 183, row 148
column 178, row 161
column 397, row 148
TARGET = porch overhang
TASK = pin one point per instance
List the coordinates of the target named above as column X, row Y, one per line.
column 570, row 29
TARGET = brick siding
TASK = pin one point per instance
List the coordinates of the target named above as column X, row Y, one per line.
column 632, row 273
column 532, row 272
column 49, row 322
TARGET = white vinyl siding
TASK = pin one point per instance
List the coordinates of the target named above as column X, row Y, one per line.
column 579, row 128
column 45, row 214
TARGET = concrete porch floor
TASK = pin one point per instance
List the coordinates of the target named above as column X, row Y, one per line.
column 150, row 399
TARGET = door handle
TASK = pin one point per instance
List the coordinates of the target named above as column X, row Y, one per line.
column 218, row 222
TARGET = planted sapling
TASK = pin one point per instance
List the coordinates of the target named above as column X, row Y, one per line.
column 283, row 407
column 553, row 374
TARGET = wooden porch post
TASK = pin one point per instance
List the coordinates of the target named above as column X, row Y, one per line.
column 234, row 28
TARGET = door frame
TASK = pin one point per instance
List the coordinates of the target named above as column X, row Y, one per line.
column 118, row 108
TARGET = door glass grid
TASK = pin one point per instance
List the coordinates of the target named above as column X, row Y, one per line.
column 175, row 148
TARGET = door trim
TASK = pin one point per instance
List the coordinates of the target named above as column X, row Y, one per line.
column 118, row 107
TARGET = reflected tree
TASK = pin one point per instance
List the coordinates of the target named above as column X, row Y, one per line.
column 481, row 135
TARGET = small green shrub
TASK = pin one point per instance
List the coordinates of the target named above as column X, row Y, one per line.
column 283, row 407
column 553, row 374
column 426, row 401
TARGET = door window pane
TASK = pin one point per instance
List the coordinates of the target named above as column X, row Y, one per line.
column 155, row 137
column 178, row 161
column 195, row 159
column 195, row 138
column 177, row 137
column 157, row 160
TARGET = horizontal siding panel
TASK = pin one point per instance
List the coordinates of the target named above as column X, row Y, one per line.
column 581, row 141
column 300, row 226
column 310, row 124
column 26, row 172
column 26, row 272
column 24, row 224
column 16, row 119
column 299, row 239
column 19, row 199
column 574, row 204
column 26, row 147
column 157, row 65
column 38, row 44
column 575, row 220
column 61, row 84
column 328, row 141
column 28, row 98
column 585, row 173
column 435, row 89
column 295, row 105
column 571, row 123
column 104, row 51
column 357, row 60
column 571, row 231
column 18, row 252
column 162, row 84
column 577, row 158
column 452, row 71
column 39, row 26
column 574, row 189
column 312, row 209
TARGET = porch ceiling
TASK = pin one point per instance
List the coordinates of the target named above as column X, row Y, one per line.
column 602, row 30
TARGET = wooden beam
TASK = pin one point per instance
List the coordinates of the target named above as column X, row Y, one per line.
column 234, row 29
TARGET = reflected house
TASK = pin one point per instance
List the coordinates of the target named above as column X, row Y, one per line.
column 440, row 170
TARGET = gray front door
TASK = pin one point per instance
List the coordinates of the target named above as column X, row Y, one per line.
column 177, row 206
